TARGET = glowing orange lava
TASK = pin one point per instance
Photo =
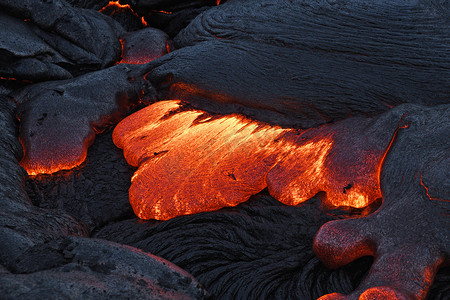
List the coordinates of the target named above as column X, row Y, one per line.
column 116, row 5
column 191, row 162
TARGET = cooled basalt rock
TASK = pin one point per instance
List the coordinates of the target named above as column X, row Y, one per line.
column 104, row 177
column 173, row 22
column 91, row 4
column 81, row 268
column 124, row 14
column 304, row 63
column 143, row 46
column 59, row 119
column 410, row 233
column 22, row 225
column 25, row 55
column 259, row 249
column 144, row 6
column 45, row 40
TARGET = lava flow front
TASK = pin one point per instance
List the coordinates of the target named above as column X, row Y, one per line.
column 190, row 161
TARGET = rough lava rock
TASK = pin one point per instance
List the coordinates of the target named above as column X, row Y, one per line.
column 21, row 224
column 42, row 257
column 45, row 40
column 410, row 233
column 25, row 56
column 59, row 119
column 86, row 268
column 143, row 46
column 144, row 6
column 259, row 249
column 104, row 176
column 91, row 4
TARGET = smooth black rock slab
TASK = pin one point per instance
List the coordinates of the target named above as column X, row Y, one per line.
column 305, row 63
column 143, row 46
column 82, row 268
column 144, row 6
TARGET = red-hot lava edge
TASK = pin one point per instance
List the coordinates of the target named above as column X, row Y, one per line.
column 190, row 161
column 113, row 6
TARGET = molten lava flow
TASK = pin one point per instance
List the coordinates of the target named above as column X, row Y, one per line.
column 191, row 162
column 114, row 6
column 332, row 160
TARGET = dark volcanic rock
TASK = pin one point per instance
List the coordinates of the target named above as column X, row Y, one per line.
column 260, row 249
column 80, row 268
column 96, row 192
column 173, row 22
column 124, row 15
column 410, row 233
column 143, row 46
column 144, row 6
column 22, row 225
column 92, row 4
column 25, row 55
column 38, row 260
column 56, row 41
column 304, row 63
column 59, row 119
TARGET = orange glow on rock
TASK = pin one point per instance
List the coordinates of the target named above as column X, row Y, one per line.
column 37, row 162
column 381, row 292
column 115, row 5
column 190, row 161
column 9, row 78
column 163, row 12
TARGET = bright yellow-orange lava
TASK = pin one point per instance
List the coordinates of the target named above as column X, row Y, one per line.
column 192, row 162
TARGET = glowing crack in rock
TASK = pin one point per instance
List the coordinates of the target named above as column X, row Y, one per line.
column 114, row 6
column 189, row 161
